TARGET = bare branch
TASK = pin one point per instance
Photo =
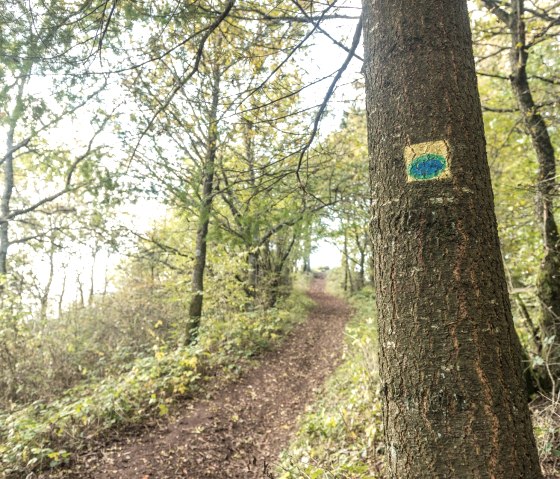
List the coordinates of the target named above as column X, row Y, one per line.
column 68, row 187
column 498, row 11
column 105, row 23
column 324, row 32
column 329, row 94
column 11, row 151
column 164, row 247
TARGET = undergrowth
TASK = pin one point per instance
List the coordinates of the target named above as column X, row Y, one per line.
column 341, row 435
column 546, row 424
column 46, row 434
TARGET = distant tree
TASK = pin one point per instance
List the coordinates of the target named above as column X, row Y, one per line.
column 346, row 149
column 190, row 157
column 513, row 21
column 262, row 204
column 40, row 99
column 450, row 363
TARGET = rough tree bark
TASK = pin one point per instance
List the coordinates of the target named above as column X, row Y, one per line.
column 452, row 386
column 208, row 170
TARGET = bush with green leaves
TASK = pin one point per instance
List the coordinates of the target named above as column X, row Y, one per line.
column 46, row 433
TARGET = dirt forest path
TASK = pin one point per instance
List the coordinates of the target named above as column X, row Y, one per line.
column 239, row 430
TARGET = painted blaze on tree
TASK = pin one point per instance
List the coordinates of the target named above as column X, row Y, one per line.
column 427, row 167
column 453, row 393
column 427, row 161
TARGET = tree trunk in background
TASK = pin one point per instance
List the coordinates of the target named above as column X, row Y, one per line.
column 452, row 386
column 306, row 263
column 548, row 282
column 5, row 201
column 277, row 272
column 345, row 259
column 307, row 247
column 253, row 273
column 362, row 272
column 44, row 297
column 361, row 281
column 195, row 307
column 61, row 297
column 8, row 177
column 252, row 230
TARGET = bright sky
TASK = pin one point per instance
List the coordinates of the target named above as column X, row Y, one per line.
column 326, row 58
column 327, row 254
column 323, row 58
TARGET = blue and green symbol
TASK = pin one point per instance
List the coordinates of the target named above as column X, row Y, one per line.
column 427, row 166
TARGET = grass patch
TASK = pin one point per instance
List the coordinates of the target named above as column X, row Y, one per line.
column 546, row 424
column 341, row 435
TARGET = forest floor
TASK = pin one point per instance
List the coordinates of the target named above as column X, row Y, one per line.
column 236, row 429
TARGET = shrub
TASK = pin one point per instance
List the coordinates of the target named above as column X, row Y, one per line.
column 46, row 433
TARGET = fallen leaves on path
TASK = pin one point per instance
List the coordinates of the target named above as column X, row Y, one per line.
column 238, row 431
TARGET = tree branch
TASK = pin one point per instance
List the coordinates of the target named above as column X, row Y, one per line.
column 329, row 94
column 494, row 8
column 194, row 69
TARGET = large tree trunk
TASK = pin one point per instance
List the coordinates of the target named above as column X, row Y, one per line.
column 452, row 386
column 199, row 267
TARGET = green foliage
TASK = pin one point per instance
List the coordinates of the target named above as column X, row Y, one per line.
column 67, row 378
column 341, row 436
column 241, row 335
column 44, row 434
column 85, row 342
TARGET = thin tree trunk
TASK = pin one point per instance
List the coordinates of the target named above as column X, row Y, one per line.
column 106, row 276
column 450, row 360
column 61, row 297
column 252, row 233
column 346, row 265
column 253, row 268
column 361, row 272
column 307, row 247
column 277, row 270
column 8, row 180
column 307, row 264
column 195, row 307
column 5, row 206
column 92, row 277
column 361, row 262
column 548, row 280
column 548, row 283
column 47, row 291
column 81, row 301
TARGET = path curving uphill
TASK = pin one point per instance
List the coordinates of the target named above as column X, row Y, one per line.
column 239, row 431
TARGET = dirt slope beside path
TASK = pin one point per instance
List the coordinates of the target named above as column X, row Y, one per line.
column 239, row 432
